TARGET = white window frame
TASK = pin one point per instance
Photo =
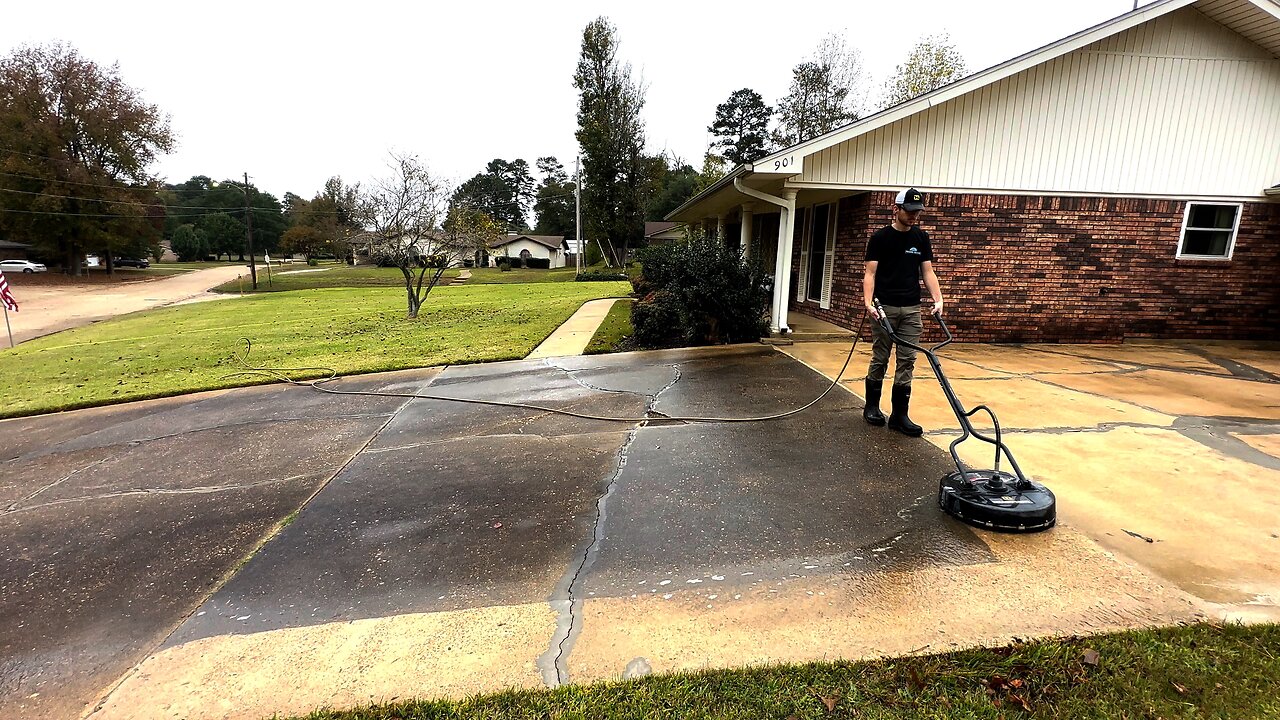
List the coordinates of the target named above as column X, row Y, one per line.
column 1231, row 242
column 826, row 244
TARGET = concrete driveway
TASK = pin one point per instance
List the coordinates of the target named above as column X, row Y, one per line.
column 45, row 309
column 448, row 549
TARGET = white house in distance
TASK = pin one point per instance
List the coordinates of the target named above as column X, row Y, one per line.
column 1120, row 182
column 551, row 247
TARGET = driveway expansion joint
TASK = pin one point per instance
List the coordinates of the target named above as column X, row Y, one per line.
column 553, row 663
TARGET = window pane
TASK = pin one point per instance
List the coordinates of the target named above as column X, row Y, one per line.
column 1206, row 242
column 1222, row 217
column 817, row 251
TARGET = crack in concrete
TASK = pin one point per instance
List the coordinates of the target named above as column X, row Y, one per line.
column 472, row 438
column 553, row 664
column 1255, row 376
column 133, row 442
column 13, row 507
column 201, row 490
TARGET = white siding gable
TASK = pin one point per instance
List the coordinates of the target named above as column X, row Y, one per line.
column 1178, row 106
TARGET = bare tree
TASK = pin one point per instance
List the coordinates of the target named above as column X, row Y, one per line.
column 400, row 213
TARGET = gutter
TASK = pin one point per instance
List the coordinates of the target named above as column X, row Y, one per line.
column 1272, row 191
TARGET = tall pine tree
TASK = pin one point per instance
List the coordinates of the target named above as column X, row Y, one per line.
column 742, row 127
column 611, row 137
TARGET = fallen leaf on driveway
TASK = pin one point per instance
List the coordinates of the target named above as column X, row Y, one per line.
column 1090, row 657
column 830, row 702
column 1140, row 537
column 1021, row 701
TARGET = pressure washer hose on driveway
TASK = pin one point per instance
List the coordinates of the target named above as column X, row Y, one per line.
column 278, row 373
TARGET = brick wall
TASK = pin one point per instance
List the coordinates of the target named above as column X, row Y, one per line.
column 1071, row 269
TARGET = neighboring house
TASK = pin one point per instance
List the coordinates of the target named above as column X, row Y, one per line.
column 663, row 232
column 365, row 246
column 14, row 250
column 1121, row 182
column 552, row 247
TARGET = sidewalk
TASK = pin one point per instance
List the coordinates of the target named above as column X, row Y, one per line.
column 572, row 337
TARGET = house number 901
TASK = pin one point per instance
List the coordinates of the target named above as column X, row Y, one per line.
column 783, row 163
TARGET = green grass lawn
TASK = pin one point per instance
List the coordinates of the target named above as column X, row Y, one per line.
column 1202, row 671
column 187, row 348
column 614, row 333
column 338, row 275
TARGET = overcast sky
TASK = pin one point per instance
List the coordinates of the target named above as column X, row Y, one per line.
column 294, row 93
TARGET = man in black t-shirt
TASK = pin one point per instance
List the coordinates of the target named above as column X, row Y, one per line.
column 897, row 256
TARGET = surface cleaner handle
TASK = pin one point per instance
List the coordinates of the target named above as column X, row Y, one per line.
column 880, row 318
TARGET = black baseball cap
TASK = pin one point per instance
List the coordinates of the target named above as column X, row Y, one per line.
column 910, row 200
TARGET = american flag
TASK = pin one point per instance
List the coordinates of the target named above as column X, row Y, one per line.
column 5, row 296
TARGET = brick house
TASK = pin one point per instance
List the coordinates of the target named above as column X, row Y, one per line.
column 1120, row 182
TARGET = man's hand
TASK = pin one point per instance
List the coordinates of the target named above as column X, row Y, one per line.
column 937, row 308
column 871, row 311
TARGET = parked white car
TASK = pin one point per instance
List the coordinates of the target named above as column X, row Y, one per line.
column 25, row 266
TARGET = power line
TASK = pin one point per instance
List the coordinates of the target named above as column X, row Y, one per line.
column 71, row 182
column 117, row 215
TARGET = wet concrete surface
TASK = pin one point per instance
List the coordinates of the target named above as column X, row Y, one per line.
column 446, row 542
column 457, row 506
column 116, row 521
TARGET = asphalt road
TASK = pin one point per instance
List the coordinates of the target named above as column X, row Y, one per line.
column 45, row 309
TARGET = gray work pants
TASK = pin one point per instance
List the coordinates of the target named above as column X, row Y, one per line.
column 906, row 322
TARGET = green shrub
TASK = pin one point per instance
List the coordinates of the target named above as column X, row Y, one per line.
column 312, row 262
column 504, row 266
column 599, row 276
column 699, row 292
column 537, row 263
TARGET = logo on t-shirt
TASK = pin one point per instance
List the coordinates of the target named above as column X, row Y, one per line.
column 913, row 251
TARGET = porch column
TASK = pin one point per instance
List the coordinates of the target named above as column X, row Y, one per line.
column 748, row 214
column 720, row 228
column 782, row 266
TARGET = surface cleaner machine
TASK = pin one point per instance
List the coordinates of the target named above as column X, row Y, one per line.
column 992, row 499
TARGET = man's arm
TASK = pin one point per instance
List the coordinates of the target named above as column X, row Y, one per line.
column 869, row 285
column 931, row 283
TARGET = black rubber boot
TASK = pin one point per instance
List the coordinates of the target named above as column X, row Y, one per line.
column 898, row 419
column 871, row 411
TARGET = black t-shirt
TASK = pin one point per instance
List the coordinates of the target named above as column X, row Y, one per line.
column 899, row 254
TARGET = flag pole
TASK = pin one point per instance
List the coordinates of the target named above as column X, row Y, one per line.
column 6, row 324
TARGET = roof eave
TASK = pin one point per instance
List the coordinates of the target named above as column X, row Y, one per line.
column 715, row 188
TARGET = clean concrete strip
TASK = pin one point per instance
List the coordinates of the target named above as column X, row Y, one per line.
column 1129, row 450
column 572, row 337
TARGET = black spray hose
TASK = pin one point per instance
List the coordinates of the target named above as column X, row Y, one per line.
column 653, row 416
column 962, row 415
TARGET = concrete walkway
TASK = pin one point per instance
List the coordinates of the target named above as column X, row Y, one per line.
column 575, row 334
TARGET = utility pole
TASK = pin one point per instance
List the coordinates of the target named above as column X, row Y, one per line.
column 248, row 233
column 577, row 209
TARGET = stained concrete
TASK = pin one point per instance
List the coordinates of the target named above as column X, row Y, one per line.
column 116, row 521
column 461, row 548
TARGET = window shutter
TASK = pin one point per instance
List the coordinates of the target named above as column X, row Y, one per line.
column 828, row 267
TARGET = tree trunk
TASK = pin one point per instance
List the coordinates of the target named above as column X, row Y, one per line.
column 73, row 261
column 408, row 291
